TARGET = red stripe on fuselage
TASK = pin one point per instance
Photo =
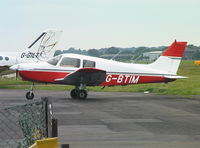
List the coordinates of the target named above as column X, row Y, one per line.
column 124, row 79
column 42, row 76
column 111, row 79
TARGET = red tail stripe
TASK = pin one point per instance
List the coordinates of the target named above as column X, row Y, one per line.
column 176, row 49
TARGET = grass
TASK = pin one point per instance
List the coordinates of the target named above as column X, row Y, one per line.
column 182, row 87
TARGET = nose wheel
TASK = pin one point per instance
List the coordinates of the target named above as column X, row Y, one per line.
column 78, row 94
column 30, row 94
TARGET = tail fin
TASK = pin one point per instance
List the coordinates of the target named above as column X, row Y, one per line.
column 43, row 47
column 170, row 60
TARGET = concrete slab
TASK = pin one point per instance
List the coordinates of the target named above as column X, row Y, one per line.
column 120, row 119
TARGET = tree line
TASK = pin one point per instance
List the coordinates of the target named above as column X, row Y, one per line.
column 133, row 52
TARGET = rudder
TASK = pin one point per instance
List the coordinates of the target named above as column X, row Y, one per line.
column 43, row 47
column 170, row 60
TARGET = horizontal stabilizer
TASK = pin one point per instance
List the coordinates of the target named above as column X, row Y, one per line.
column 176, row 77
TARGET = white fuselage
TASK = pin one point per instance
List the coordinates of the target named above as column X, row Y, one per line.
column 8, row 59
column 117, row 73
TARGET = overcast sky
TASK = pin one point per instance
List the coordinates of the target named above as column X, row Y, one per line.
column 100, row 23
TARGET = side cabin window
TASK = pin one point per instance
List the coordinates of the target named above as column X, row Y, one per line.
column 54, row 60
column 89, row 64
column 6, row 58
column 70, row 62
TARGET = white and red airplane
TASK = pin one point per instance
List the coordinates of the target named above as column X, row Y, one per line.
column 82, row 71
column 43, row 48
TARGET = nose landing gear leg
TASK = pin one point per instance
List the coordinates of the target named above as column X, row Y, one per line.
column 30, row 94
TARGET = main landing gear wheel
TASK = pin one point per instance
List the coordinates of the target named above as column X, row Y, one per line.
column 74, row 93
column 82, row 94
column 78, row 94
column 29, row 95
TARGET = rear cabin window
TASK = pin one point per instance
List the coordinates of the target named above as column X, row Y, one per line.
column 70, row 62
column 54, row 60
column 87, row 63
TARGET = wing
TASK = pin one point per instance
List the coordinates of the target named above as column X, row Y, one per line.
column 87, row 76
column 4, row 70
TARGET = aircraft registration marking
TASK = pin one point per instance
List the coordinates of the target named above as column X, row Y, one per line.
column 124, row 79
column 30, row 55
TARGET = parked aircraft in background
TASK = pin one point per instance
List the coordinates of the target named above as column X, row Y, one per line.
column 82, row 71
column 41, row 49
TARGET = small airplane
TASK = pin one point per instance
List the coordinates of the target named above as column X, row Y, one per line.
column 41, row 49
column 82, row 71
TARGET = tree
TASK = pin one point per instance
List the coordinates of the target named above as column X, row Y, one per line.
column 192, row 46
column 93, row 52
column 57, row 52
column 112, row 50
column 196, row 55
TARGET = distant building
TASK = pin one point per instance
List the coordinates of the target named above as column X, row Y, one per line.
column 188, row 54
column 152, row 56
column 12, row 75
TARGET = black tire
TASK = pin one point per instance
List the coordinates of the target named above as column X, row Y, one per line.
column 29, row 95
column 82, row 94
column 74, row 93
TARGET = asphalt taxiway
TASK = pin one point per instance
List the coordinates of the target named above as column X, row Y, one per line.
column 120, row 119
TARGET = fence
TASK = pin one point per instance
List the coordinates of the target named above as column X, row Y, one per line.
column 20, row 126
